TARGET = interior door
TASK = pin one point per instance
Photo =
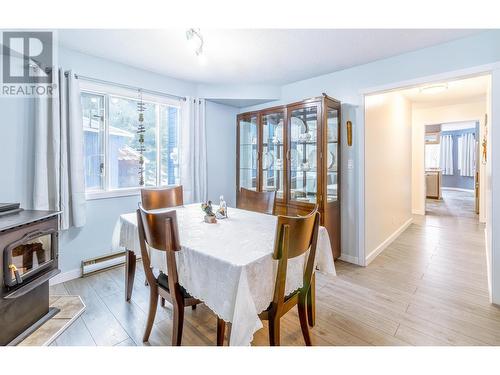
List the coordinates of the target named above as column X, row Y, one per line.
column 331, row 172
column 273, row 152
column 303, row 154
column 248, row 152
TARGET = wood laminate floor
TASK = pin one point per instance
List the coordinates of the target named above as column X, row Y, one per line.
column 428, row 287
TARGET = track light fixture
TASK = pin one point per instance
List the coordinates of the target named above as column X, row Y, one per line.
column 195, row 41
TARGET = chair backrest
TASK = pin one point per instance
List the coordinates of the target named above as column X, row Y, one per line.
column 294, row 237
column 154, row 198
column 262, row 202
column 159, row 230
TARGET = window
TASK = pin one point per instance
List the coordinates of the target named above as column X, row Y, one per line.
column 110, row 121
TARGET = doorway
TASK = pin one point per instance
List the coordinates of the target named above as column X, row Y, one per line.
column 397, row 181
column 452, row 169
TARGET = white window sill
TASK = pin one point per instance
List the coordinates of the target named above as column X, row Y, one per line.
column 92, row 195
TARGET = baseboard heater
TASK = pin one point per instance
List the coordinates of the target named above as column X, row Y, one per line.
column 103, row 263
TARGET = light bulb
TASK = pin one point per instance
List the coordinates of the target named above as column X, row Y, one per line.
column 434, row 89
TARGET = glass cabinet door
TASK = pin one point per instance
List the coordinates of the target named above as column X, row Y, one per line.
column 303, row 154
column 332, row 131
column 248, row 151
column 273, row 152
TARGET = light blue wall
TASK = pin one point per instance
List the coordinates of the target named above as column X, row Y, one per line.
column 16, row 157
column 96, row 67
column 347, row 85
column 95, row 238
column 16, row 153
column 221, row 148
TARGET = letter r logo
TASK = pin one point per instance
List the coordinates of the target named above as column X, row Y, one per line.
column 27, row 57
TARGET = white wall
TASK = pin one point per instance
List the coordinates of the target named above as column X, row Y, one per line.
column 388, row 139
column 493, row 187
column 221, row 149
column 473, row 110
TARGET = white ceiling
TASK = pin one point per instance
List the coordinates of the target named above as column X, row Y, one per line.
column 457, row 91
column 252, row 56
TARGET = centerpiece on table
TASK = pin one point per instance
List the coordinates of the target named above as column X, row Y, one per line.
column 222, row 210
column 209, row 212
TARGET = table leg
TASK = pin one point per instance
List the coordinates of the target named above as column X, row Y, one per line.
column 130, row 262
column 229, row 328
column 221, row 330
column 311, row 302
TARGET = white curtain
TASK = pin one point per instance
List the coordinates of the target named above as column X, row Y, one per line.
column 59, row 179
column 467, row 155
column 193, row 150
column 447, row 154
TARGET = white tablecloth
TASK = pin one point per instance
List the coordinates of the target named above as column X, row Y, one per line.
column 228, row 265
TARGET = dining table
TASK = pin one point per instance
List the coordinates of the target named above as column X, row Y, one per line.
column 228, row 265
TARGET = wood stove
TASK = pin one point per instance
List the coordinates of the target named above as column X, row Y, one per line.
column 28, row 259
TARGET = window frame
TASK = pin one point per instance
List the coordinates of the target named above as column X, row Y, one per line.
column 107, row 91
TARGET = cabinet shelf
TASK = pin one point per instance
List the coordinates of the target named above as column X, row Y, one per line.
column 312, row 142
column 300, row 170
column 322, row 118
column 265, row 144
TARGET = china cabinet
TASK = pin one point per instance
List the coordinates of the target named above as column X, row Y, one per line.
column 294, row 150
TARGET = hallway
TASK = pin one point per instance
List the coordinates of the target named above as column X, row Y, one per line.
column 454, row 203
column 429, row 286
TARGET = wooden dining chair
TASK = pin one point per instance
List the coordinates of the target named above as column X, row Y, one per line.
column 155, row 198
column 263, row 202
column 294, row 237
column 160, row 231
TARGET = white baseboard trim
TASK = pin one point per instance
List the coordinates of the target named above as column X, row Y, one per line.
column 66, row 276
column 418, row 212
column 458, row 189
column 373, row 254
column 349, row 259
column 488, row 265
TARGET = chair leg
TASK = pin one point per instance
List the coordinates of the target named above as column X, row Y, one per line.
column 162, row 302
column 153, row 305
column 303, row 320
column 311, row 302
column 130, row 261
column 274, row 331
column 221, row 327
column 177, row 324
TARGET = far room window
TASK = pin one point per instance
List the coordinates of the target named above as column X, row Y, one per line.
column 110, row 121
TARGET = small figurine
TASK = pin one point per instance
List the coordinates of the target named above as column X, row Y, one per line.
column 222, row 211
column 209, row 213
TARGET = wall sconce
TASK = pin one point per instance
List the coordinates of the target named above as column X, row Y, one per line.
column 349, row 133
